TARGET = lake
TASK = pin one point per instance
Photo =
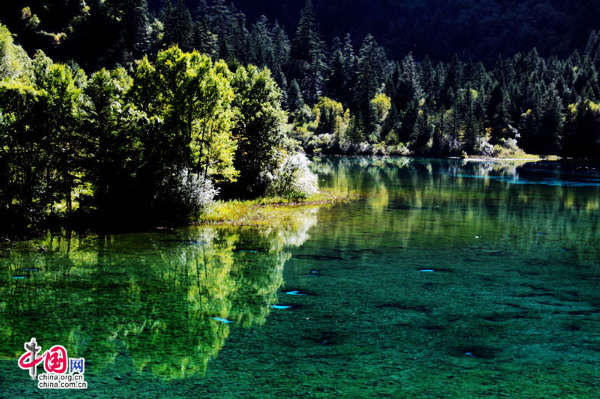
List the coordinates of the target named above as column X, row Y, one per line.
column 443, row 279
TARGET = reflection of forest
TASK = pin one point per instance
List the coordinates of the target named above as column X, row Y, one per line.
column 446, row 202
column 148, row 297
column 146, row 301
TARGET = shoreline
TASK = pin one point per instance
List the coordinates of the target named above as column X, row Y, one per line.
column 267, row 212
column 263, row 212
column 475, row 158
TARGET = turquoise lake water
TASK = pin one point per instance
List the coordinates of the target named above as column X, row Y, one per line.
column 443, row 279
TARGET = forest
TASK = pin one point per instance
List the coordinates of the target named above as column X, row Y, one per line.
column 156, row 144
column 473, row 29
column 121, row 110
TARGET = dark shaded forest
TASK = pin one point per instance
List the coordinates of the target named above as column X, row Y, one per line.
column 476, row 30
column 502, row 76
column 122, row 104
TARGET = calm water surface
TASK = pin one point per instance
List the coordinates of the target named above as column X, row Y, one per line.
column 444, row 279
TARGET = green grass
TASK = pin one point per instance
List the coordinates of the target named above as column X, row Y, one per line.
column 518, row 154
column 268, row 211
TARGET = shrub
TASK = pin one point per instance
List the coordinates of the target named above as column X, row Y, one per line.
column 185, row 194
column 293, row 178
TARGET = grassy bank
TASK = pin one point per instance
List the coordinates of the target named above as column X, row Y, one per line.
column 514, row 156
column 268, row 211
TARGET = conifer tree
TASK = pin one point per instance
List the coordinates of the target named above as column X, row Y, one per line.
column 261, row 43
column 204, row 40
column 308, row 55
column 178, row 26
column 371, row 71
column 281, row 48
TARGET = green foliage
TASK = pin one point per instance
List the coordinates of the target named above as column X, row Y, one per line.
column 114, row 140
column 24, row 156
column 14, row 62
column 380, row 106
column 331, row 118
column 213, row 279
column 112, row 130
column 121, row 147
column 188, row 99
column 60, row 120
column 371, row 70
column 307, row 69
column 324, row 128
column 258, row 129
column 582, row 129
column 308, row 54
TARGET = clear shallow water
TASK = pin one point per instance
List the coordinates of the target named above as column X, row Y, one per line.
column 432, row 284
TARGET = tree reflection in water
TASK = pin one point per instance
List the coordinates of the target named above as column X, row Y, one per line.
column 433, row 203
column 144, row 302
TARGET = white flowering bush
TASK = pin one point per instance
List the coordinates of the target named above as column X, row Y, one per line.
column 188, row 192
column 196, row 191
column 364, row 148
column 293, row 178
column 484, row 147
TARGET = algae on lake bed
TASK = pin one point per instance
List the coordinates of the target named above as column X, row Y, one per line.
column 511, row 309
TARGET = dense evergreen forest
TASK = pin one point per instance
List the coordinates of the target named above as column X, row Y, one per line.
column 475, row 29
column 124, row 109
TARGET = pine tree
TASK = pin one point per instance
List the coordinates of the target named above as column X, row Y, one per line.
column 240, row 39
column 204, row 40
column 178, row 26
column 592, row 49
column 221, row 21
column 281, row 45
column 439, row 143
column 137, row 22
column 295, row 98
column 349, row 61
column 454, row 79
column 336, row 81
column 551, row 124
column 261, row 43
column 410, row 75
column 421, row 134
column 281, row 53
column 498, row 115
column 372, row 69
column 308, row 55
column 428, row 81
column 199, row 10
column 582, row 130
